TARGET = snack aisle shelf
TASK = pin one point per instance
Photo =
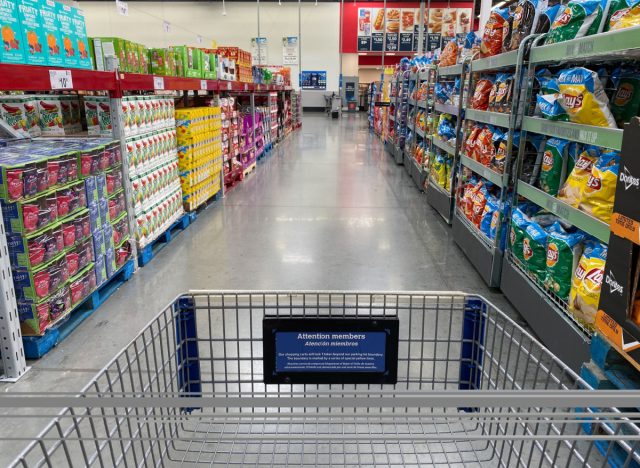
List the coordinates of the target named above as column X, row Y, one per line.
column 563, row 323
column 483, row 184
column 423, row 104
column 443, row 155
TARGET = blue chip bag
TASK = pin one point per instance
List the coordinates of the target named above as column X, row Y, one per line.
column 489, row 218
column 550, row 108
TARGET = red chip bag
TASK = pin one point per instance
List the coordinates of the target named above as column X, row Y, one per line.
column 470, row 142
column 480, row 98
column 479, row 201
column 485, row 150
column 494, row 31
column 449, row 54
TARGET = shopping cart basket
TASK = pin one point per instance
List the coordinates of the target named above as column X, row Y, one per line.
column 473, row 389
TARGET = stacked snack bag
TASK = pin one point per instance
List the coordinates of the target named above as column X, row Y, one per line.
column 151, row 155
column 199, row 154
column 65, row 216
column 478, row 201
column 563, row 259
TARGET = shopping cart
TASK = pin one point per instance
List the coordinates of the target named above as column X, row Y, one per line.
column 474, row 389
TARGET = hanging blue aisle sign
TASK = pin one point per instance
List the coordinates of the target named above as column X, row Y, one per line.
column 330, row 350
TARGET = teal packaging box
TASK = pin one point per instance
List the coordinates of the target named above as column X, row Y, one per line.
column 33, row 35
column 53, row 45
column 82, row 41
column 67, row 34
column 12, row 50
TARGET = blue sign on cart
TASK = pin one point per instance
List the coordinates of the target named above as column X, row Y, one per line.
column 330, row 350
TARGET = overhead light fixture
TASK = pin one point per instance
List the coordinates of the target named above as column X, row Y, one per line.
column 316, row 2
column 224, row 9
column 279, row 2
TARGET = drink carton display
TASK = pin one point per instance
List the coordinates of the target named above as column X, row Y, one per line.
column 50, row 111
column 91, row 113
column 50, row 25
column 12, row 111
column 191, row 60
column 162, row 62
column 67, row 34
column 12, row 50
column 81, row 39
column 33, row 34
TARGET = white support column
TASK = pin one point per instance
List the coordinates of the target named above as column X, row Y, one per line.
column 14, row 365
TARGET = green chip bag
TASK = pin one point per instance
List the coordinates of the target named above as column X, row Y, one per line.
column 563, row 254
column 579, row 18
column 625, row 102
column 555, row 150
column 519, row 223
column 534, row 250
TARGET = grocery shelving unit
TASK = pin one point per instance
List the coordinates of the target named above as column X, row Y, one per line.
column 392, row 115
column 117, row 85
column 410, row 137
column 546, row 313
column 483, row 252
column 440, row 198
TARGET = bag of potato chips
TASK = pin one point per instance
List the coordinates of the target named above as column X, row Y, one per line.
column 587, row 282
column 625, row 102
column 555, row 150
column 625, row 17
column 583, row 98
column 563, row 254
column 600, row 190
column 571, row 190
column 519, row 223
column 578, row 18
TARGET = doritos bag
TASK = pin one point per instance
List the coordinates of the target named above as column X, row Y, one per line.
column 493, row 32
column 600, row 190
column 555, row 150
column 587, row 282
column 571, row 190
column 578, row 18
column 563, row 253
column 583, row 98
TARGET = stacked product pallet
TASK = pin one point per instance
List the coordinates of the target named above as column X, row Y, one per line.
column 296, row 109
column 242, row 60
column 248, row 147
column 232, row 166
column 199, row 154
column 65, row 216
column 151, row 154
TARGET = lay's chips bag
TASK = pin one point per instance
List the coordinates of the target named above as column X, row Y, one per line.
column 519, row 224
column 490, row 217
column 578, row 18
column 571, row 190
column 625, row 102
column 587, row 282
column 550, row 108
column 625, row 18
column 600, row 190
column 534, row 249
column 617, row 10
column 555, row 150
column 563, row 254
column 583, row 98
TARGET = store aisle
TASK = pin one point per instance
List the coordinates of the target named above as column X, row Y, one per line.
column 329, row 209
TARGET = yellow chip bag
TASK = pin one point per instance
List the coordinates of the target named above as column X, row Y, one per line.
column 600, row 190
column 571, row 190
column 626, row 19
column 587, row 282
column 583, row 98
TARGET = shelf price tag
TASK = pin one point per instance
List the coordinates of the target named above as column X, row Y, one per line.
column 229, row 85
column 158, row 82
column 203, row 85
column 122, row 7
column 60, row 79
column 246, row 86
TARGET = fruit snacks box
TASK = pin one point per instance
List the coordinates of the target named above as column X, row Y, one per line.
column 33, row 35
column 143, row 59
column 191, row 58
column 83, row 50
column 53, row 47
column 67, row 34
column 13, row 49
column 21, row 114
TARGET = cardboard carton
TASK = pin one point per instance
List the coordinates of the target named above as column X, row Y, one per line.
column 110, row 47
column 53, row 38
column 67, row 34
column 83, row 49
column 33, row 34
column 13, row 49
column 191, row 59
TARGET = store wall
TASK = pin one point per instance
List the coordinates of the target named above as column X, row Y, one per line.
column 369, row 75
column 144, row 24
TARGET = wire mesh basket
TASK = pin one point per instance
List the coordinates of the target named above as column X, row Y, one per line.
column 473, row 389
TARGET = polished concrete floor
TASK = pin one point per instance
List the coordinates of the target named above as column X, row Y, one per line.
column 327, row 210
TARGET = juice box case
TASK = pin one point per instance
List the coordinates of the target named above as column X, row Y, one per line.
column 33, row 33
column 50, row 111
column 67, row 34
column 91, row 113
column 110, row 46
column 83, row 49
column 12, row 112
column 51, row 26
column 13, row 49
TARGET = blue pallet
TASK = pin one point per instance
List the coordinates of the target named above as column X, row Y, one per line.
column 147, row 253
column 37, row 346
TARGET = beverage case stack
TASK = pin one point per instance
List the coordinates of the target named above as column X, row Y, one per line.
column 199, row 154
column 151, row 155
column 65, row 216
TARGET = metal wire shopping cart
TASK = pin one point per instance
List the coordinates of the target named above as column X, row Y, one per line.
column 474, row 389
